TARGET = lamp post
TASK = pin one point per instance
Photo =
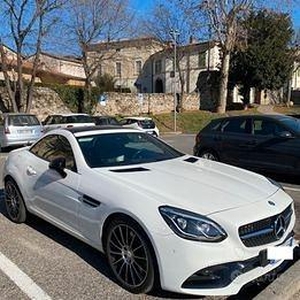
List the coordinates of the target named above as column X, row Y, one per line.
column 174, row 34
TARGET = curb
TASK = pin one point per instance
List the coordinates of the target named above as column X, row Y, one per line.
column 284, row 287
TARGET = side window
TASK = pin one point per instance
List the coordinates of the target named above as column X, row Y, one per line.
column 236, row 126
column 264, row 127
column 54, row 146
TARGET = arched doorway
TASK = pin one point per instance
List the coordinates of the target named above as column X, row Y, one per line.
column 159, row 87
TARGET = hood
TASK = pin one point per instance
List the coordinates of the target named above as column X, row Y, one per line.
column 195, row 184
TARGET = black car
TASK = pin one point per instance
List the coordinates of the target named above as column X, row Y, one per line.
column 264, row 143
column 105, row 120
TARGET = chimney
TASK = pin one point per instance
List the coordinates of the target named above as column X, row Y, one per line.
column 192, row 40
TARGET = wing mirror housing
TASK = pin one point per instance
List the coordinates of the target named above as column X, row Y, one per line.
column 58, row 164
column 285, row 135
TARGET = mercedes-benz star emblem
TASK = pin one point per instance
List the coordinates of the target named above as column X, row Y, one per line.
column 279, row 227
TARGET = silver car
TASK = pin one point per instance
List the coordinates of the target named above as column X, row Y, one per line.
column 19, row 129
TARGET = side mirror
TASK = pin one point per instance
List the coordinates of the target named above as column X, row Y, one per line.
column 58, row 164
column 285, row 135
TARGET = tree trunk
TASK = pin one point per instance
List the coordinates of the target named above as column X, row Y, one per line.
column 29, row 94
column 10, row 91
column 223, row 90
column 20, row 84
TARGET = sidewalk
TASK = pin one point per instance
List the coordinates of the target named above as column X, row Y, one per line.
column 266, row 109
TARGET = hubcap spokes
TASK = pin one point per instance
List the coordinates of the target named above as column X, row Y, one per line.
column 128, row 256
column 209, row 156
column 12, row 200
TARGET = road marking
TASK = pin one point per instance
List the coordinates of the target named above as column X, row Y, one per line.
column 291, row 189
column 25, row 283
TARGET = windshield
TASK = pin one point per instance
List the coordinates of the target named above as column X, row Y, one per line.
column 292, row 123
column 124, row 148
column 23, row 120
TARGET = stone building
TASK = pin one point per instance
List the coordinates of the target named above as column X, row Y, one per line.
column 192, row 59
column 147, row 66
column 60, row 69
column 126, row 61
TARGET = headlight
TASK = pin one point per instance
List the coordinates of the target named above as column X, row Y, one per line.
column 191, row 226
column 274, row 182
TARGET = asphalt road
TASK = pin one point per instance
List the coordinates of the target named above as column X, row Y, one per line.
column 46, row 263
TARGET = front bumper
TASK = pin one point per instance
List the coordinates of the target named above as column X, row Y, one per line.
column 218, row 269
column 223, row 268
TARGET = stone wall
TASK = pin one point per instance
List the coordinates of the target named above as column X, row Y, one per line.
column 46, row 101
column 135, row 104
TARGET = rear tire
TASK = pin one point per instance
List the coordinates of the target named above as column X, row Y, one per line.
column 14, row 202
column 130, row 256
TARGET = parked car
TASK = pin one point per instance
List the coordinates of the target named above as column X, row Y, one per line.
column 18, row 129
column 105, row 120
column 143, row 123
column 196, row 226
column 264, row 143
column 67, row 121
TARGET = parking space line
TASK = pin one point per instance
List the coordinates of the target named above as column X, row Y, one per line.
column 24, row 282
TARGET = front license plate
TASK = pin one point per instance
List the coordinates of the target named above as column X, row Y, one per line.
column 272, row 255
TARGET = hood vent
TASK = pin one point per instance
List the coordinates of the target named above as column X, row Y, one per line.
column 129, row 170
column 191, row 159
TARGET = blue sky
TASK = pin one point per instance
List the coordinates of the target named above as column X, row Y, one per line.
column 143, row 7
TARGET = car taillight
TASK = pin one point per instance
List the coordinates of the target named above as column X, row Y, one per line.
column 6, row 131
column 69, row 126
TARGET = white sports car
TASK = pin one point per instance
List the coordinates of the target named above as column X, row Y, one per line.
column 192, row 225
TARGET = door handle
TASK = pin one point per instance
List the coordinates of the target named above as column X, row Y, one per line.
column 30, row 171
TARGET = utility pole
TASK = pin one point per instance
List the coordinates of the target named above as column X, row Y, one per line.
column 174, row 34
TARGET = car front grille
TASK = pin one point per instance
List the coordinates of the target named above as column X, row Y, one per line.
column 267, row 230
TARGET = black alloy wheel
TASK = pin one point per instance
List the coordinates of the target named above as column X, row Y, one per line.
column 14, row 202
column 130, row 256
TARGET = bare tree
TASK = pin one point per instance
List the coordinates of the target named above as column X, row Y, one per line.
column 224, row 17
column 174, row 21
column 91, row 21
column 26, row 21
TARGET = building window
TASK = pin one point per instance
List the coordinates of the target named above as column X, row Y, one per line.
column 202, row 60
column 158, row 67
column 118, row 69
column 138, row 67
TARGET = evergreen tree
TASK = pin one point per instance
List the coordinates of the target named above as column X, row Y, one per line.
column 266, row 61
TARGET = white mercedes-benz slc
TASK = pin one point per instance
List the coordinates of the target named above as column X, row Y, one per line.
column 191, row 225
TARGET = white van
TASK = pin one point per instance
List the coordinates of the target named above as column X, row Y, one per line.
column 19, row 129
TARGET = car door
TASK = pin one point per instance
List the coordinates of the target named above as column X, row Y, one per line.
column 235, row 138
column 54, row 196
column 272, row 150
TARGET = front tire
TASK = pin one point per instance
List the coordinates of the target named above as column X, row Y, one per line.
column 14, row 202
column 209, row 154
column 130, row 256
